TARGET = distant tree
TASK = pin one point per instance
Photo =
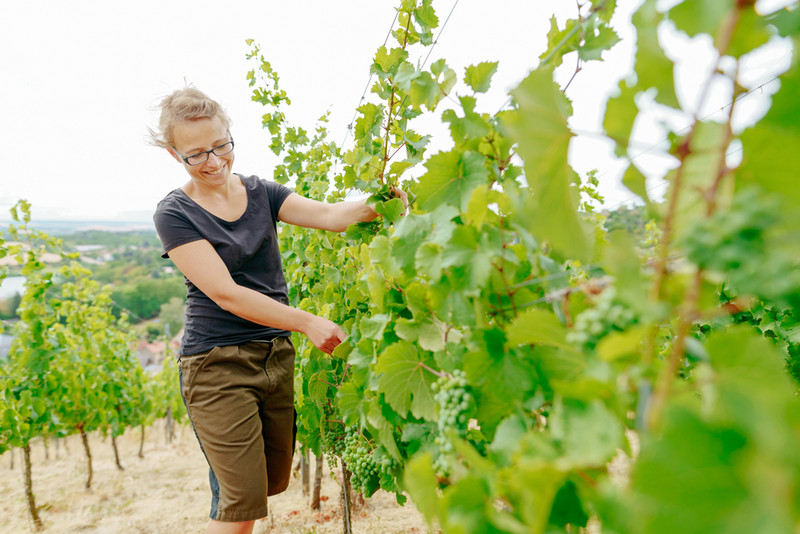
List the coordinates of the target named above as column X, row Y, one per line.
column 142, row 298
column 631, row 219
column 171, row 315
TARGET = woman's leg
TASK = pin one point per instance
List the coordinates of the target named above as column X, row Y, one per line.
column 223, row 527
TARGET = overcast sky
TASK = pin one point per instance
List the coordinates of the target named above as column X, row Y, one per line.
column 81, row 80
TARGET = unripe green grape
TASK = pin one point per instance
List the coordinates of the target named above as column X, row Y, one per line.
column 454, row 400
column 608, row 315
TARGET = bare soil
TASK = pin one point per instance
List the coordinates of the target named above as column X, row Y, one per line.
column 166, row 492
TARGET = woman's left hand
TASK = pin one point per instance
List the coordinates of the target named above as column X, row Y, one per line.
column 402, row 195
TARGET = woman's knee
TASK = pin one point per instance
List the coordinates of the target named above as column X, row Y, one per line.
column 225, row 527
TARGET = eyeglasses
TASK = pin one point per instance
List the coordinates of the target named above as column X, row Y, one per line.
column 202, row 157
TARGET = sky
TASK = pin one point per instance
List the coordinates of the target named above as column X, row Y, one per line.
column 82, row 79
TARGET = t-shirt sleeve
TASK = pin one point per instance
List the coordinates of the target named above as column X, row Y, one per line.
column 173, row 227
column 277, row 194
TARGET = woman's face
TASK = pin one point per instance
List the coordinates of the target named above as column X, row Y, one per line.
column 191, row 137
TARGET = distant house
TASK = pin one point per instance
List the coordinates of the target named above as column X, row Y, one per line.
column 151, row 355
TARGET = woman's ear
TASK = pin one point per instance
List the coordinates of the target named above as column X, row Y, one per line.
column 175, row 155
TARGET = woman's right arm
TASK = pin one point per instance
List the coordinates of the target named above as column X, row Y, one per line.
column 200, row 263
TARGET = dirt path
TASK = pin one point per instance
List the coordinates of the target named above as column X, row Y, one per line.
column 165, row 493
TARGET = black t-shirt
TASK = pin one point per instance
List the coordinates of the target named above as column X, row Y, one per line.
column 247, row 246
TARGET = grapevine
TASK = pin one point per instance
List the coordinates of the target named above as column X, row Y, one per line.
column 450, row 309
column 677, row 368
column 70, row 368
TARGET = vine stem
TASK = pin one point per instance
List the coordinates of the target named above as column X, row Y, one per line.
column 683, row 152
column 690, row 311
column 508, row 289
column 398, row 150
column 432, row 370
column 578, row 56
column 344, row 374
column 389, row 121
column 334, row 386
column 723, row 169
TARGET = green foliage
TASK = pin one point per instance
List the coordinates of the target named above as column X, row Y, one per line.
column 564, row 349
column 144, row 298
column 721, row 464
column 631, row 219
column 71, row 367
column 164, row 393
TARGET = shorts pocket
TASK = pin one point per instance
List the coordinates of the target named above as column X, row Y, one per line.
column 190, row 367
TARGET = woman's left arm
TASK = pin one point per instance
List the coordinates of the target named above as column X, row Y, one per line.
column 302, row 211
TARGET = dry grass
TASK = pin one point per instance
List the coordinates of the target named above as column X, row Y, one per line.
column 164, row 493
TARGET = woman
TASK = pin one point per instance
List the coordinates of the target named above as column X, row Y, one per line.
column 236, row 357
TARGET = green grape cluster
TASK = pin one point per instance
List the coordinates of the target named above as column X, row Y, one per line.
column 455, row 401
column 333, row 437
column 387, row 466
column 357, row 455
column 607, row 315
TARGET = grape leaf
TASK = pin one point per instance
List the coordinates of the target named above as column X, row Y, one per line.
column 596, row 42
column 391, row 210
column 769, row 163
column 700, row 16
column 426, row 333
column 469, row 251
column 636, row 182
column 424, row 90
column 653, row 68
column 405, row 382
column 540, row 128
column 479, row 77
column 383, row 428
column 387, row 62
column 620, row 114
column 687, row 480
column 471, row 126
column 751, row 32
column 451, row 178
column 537, row 326
column 350, row 401
column 567, row 507
column 419, row 480
column 464, row 507
column 560, row 42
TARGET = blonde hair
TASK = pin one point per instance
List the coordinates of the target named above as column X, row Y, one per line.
column 187, row 104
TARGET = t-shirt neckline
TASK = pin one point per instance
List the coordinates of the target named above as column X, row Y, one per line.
column 246, row 208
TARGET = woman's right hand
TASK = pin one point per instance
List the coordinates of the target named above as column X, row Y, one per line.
column 324, row 334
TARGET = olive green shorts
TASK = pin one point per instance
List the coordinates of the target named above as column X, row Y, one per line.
column 240, row 400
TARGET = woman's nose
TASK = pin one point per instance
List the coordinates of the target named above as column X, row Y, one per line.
column 213, row 160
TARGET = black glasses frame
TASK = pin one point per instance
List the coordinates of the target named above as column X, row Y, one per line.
column 206, row 152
